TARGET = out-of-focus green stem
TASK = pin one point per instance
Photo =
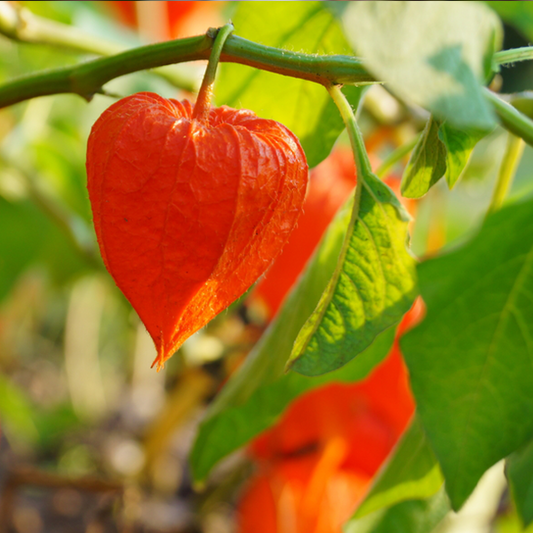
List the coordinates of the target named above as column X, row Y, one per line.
column 507, row 171
column 20, row 24
column 396, row 155
column 511, row 119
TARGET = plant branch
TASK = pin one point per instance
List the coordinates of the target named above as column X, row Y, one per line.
column 20, row 24
column 88, row 78
column 507, row 171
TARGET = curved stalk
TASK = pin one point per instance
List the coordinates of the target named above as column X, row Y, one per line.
column 511, row 119
column 20, row 24
column 205, row 95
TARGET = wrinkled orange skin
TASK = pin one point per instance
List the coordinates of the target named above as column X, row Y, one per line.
column 331, row 183
column 188, row 214
column 316, row 464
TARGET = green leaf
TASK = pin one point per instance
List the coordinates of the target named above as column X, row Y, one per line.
column 303, row 106
column 518, row 14
column 519, row 472
column 372, row 288
column 427, row 163
column 470, row 360
column 441, row 151
column 433, row 54
column 459, row 145
column 412, row 516
column 411, row 473
column 258, row 393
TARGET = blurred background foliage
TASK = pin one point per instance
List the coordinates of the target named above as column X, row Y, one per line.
column 87, row 427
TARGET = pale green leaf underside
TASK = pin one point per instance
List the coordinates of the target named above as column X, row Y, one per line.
column 471, row 359
column 373, row 287
column 434, row 54
column 411, row 516
column 303, row 106
column 411, row 473
column 519, row 472
column 260, row 390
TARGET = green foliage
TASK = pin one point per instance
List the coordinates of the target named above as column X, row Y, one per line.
column 373, row 286
column 427, row 163
column 20, row 223
column 519, row 471
column 260, row 391
column 518, row 14
column 441, row 151
column 304, row 107
column 427, row 57
column 17, row 415
column 411, row 516
column 470, row 360
column 411, row 473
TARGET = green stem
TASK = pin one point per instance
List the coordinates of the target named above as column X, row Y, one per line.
column 512, row 56
column 205, row 95
column 362, row 162
column 364, row 170
column 20, row 24
column 507, row 171
column 87, row 78
column 396, row 155
column 511, row 119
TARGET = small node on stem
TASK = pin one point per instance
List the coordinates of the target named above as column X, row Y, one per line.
column 203, row 102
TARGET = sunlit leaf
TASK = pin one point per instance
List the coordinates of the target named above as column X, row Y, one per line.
column 470, row 359
column 412, row 516
column 411, row 473
column 373, row 286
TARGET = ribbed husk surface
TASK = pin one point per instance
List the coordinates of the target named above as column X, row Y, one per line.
column 188, row 214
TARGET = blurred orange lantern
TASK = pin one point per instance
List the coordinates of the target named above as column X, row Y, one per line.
column 316, row 464
column 168, row 20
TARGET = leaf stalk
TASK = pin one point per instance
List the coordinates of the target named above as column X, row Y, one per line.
column 511, row 160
